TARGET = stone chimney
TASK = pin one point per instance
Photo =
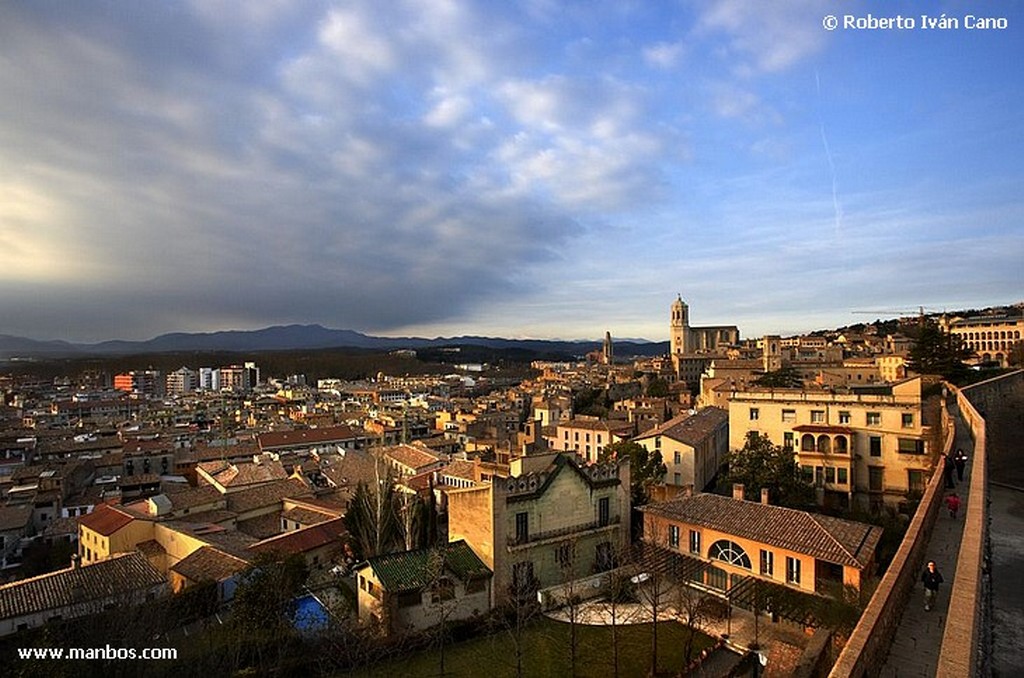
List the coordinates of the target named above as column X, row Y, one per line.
column 737, row 491
column 76, row 561
column 764, row 496
column 688, row 490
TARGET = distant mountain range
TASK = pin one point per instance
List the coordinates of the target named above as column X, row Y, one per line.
column 297, row 337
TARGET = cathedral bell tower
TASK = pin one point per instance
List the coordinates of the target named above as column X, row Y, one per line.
column 679, row 329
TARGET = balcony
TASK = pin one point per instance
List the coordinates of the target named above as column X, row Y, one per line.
column 562, row 532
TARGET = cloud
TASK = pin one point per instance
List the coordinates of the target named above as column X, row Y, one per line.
column 764, row 37
column 664, row 55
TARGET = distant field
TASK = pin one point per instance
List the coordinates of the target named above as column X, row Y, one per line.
column 546, row 653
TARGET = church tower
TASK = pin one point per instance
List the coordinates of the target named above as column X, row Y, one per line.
column 679, row 329
column 771, row 353
column 608, row 350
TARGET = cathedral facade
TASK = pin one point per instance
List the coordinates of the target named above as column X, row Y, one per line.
column 687, row 340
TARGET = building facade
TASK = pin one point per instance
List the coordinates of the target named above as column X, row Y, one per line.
column 736, row 538
column 693, row 446
column 869, row 446
column 553, row 520
column 990, row 337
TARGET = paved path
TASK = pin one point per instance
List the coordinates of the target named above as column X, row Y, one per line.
column 915, row 647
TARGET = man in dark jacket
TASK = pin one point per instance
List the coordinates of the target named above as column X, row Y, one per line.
column 960, row 459
column 931, row 580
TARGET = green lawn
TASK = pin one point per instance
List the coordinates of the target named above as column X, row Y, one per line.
column 546, row 653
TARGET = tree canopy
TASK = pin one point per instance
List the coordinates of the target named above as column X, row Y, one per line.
column 645, row 468
column 374, row 519
column 761, row 464
column 785, row 377
column 936, row 352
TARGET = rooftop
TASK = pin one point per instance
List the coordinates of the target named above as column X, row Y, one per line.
column 843, row 542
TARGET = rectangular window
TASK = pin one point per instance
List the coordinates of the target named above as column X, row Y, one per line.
column 564, row 555
column 677, row 478
column 875, row 446
column 819, row 475
column 874, row 418
column 817, row 416
column 789, row 415
column 787, row 440
column 908, row 420
column 754, row 414
column 588, row 437
column 677, row 458
column 875, row 478
column 657, row 442
column 673, row 536
column 767, row 562
column 792, row 570
column 807, row 472
column 844, row 417
column 522, row 527
column 910, row 446
column 915, row 480
column 830, row 475
column 841, row 476
column 603, row 511
column 695, row 542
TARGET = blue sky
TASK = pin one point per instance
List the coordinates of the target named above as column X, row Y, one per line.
column 533, row 169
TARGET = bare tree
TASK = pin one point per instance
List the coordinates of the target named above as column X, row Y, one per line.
column 566, row 555
column 694, row 608
column 520, row 609
column 617, row 589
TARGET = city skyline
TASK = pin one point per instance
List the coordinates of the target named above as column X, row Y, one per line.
column 544, row 170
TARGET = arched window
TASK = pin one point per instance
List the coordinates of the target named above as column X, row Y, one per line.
column 824, row 444
column 807, row 443
column 841, row 445
column 729, row 552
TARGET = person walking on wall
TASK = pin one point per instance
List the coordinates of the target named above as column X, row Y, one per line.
column 931, row 580
column 947, row 471
column 953, row 504
column 960, row 459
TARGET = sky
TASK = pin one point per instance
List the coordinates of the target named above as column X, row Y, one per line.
column 532, row 169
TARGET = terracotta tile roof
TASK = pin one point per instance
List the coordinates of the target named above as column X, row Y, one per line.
column 460, row 468
column 190, row 497
column 843, row 542
column 690, row 429
column 139, row 480
column 411, row 570
column 209, row 564
column 150, row 548
column 411, row 456
column 261, row 527
column 266, row 495
column 240, row 451
column 350, row 469
column 113, row 577
column 15, row 517
column 242, row 474
column 605, row 425
column 60, row 527
column 306, row 516
column 308, row 437
column 306, row 539
column 105, row 520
